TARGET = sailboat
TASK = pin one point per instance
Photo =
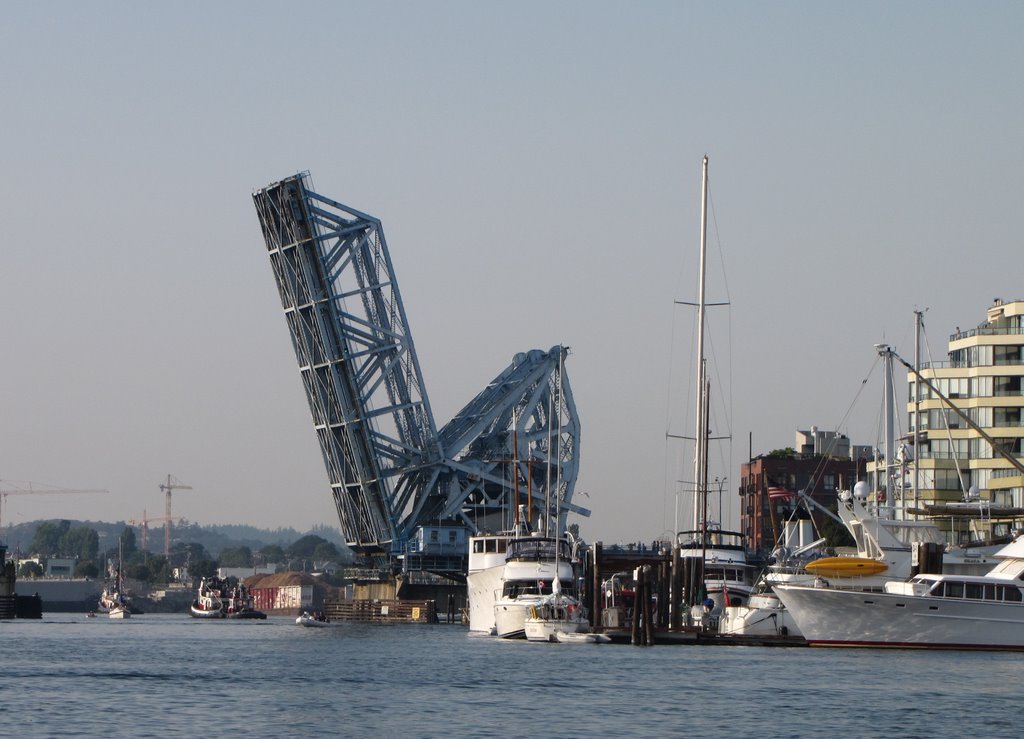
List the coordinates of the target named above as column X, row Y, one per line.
column 727, row 576
column 116, row 602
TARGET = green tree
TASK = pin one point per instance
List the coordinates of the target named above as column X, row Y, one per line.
column 304, row 547
column 82, row 542
column 49, row 537
column 325, row 552
column 127, row 541
column 239, row 557
column 87, row 569
column 188, row 553
column 139, row 571
column 272, row 553
column 202, row 568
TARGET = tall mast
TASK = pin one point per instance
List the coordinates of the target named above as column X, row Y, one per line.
column 701, row 436
column 886, row 508
column 918, row 322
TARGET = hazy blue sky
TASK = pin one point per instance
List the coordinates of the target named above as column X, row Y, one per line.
column 536, row 166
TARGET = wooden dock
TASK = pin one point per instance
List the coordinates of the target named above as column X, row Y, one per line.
column 381, row 611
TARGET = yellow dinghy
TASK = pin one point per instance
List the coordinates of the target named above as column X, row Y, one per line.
column 846, row 567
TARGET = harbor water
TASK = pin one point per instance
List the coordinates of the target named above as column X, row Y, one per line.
column 169, row 675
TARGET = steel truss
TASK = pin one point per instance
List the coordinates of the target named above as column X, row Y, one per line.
column 389, row 469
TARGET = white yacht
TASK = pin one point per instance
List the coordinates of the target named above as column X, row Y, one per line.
column 553, row 615
column 728, row 577
column 532, row 564
column 483, row 579
column 928, row 611
column 885, row 554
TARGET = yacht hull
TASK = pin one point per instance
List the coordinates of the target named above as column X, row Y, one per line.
column 828, row 617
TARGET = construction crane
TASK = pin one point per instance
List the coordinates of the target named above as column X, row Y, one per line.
column 172, row 483
column 32, row 490
column 144, row 522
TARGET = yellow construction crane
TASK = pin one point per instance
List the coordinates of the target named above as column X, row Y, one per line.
column 144, row 522
column 172, row 483
column 31, row 488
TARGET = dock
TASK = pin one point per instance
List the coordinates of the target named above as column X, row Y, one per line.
column 661, row 579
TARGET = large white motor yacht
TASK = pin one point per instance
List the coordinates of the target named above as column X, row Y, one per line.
column 928, row 611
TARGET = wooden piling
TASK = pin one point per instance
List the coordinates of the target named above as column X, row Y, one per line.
column 596, row 595
column 675, row 606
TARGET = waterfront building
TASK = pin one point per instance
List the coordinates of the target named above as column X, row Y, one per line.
column 821, row 463
column 970, row 490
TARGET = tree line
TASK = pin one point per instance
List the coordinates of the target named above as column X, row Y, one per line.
column 82, row 543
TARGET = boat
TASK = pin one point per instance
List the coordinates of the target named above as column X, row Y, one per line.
column 315, row 622
column 846, row 567
column 483, row 579
column 113, row 600
column 533, row 562
column 209, row 601
column 726, row 577
column 238, row 602
column 553, row 615
column 581, row 637
column 885, row 553
column 107, row 600
column 940, row 611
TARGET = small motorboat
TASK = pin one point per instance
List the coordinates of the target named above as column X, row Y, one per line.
column 581, row 637
column 314, row 622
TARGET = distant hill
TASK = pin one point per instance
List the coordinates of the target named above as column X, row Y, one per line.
column 215, row 537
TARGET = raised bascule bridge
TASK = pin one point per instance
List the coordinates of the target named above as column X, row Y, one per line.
column 407, row 494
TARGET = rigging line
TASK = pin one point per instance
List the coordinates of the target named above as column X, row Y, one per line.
column 728, row 299
column 718, row 241
column 819, row 469
column 671, row 472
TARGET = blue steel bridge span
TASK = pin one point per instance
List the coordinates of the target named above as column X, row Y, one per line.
column 407, row 493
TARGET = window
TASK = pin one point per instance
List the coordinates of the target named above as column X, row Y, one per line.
column 1006, row 417
column 1006, row 355
column 1006, row 386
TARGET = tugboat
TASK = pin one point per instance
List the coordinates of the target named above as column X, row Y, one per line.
column 239, row 603
column 221, row 598
column 209, row 601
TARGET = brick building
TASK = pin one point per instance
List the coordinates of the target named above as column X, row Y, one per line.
column 768, row 485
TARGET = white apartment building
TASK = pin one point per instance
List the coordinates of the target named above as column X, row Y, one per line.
column 984, row 377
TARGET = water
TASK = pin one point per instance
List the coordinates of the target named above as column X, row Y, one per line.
column 163, row 675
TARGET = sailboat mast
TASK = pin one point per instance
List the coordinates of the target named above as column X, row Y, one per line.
column 918, row 322
column 701, row 433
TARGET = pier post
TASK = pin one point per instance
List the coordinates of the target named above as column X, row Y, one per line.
column 596, row 595
column 676, row 591
column 638, row 600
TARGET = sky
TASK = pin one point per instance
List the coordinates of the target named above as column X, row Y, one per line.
column 537, row 169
